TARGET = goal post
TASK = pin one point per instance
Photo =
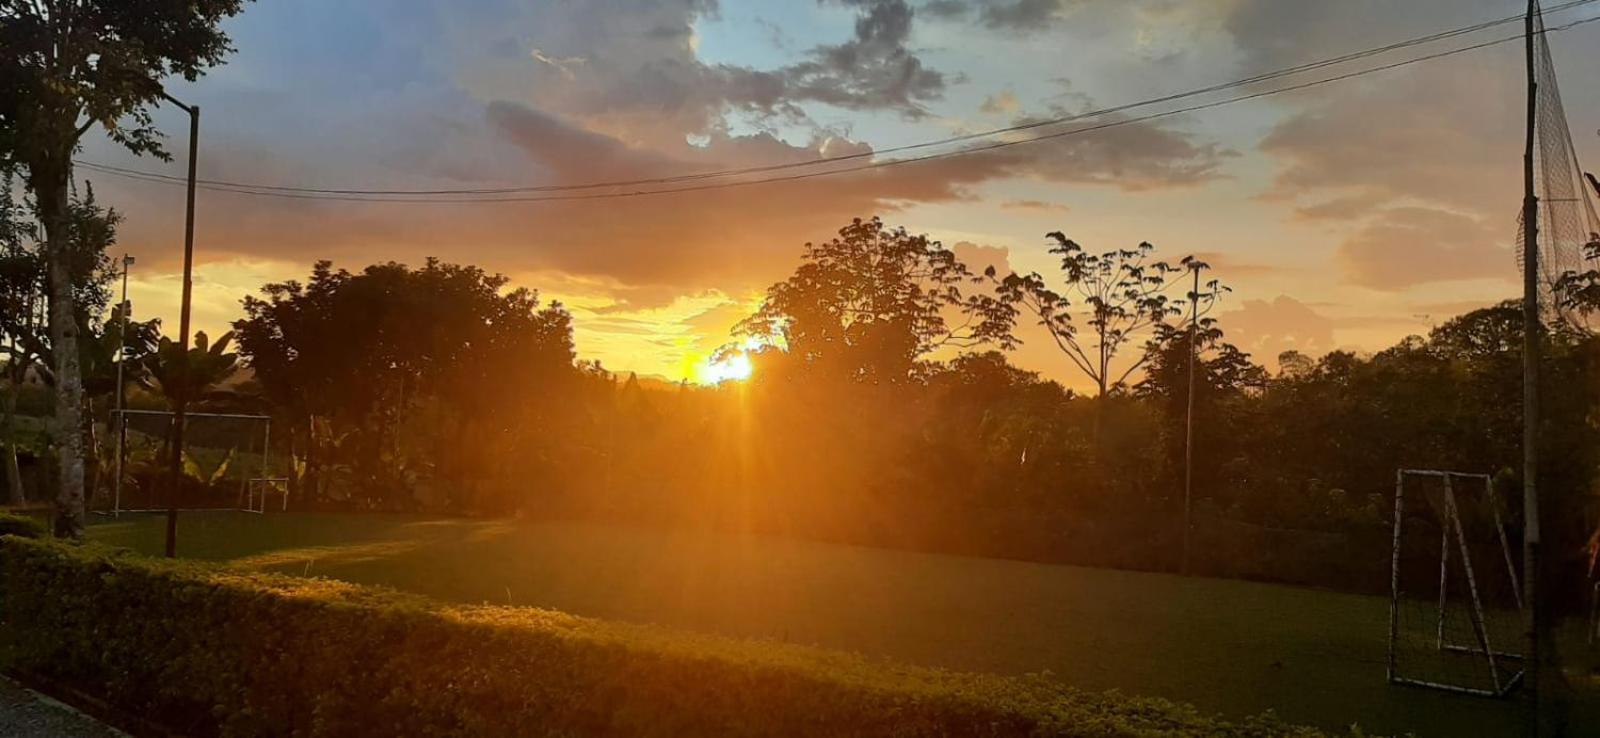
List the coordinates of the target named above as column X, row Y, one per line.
column 1455, row 600
column 227, row 464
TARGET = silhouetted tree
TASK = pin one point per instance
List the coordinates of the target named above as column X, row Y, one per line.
column 1118, row 296
column 868, row 305
column 1224, row 377
column 67, row 66
column 88, row 233
column 1578, row 291
column 348, row 357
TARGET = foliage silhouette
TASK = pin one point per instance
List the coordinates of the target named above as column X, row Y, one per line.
column 870, row 304
column 365, row 367
column 67, row 67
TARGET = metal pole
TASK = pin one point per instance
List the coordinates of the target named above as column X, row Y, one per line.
column 1444, row 572
column 122, row 420
column 266, row 466
column 1394, row 577
column 180, row 391
column 1188, row 421
column 1479, row 629
column 1530, row 385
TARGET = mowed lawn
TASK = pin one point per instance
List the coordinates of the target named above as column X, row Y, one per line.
column 1229, row 647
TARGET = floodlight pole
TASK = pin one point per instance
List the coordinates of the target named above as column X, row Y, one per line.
column 1530, row 386
column 122, row 358
column 1188, row 421
column 180, row 390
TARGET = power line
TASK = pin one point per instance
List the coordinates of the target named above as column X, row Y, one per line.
column 403, row 196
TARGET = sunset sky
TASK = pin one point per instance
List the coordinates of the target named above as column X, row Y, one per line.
column 1344, row 216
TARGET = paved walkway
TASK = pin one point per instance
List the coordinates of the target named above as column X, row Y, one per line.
column 26, row 714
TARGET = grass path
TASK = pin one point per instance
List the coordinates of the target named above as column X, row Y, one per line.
column 1232, row 647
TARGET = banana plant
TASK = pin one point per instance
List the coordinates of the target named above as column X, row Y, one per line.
column 192, row 466
column 209, row 366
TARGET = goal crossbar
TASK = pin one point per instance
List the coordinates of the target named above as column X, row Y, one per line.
column 262, row 479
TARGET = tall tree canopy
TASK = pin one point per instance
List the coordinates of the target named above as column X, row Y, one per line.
column 351, row 358
column 67, row 66
column 1119, row 297
column 869, row 304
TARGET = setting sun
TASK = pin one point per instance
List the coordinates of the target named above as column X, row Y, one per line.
column 771, row 368
column 733, row 367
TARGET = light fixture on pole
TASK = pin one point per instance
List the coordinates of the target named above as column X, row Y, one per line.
column 122, row 358
column 181, row 377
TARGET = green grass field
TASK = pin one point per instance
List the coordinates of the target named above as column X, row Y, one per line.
column 1229, row 647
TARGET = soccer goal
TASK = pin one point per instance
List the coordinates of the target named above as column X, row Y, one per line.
column 1455, row 608
column 227, row 464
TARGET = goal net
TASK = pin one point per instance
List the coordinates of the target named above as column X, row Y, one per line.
column 227, row 464
column 1455, row 608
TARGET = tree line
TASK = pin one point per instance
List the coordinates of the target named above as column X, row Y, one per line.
column 882, row 408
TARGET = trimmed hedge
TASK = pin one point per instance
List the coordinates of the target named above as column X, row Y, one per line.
column 211, row 651
column 13, row 524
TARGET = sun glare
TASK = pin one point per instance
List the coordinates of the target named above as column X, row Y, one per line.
column 731, row 366
column 734, row 367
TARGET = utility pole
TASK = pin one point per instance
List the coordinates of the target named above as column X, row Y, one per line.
column 1532, row 618
column 122, row 418
column 1188, row 420
column 180, row 392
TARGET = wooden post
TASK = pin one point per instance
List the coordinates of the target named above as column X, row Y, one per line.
column 1530, row 386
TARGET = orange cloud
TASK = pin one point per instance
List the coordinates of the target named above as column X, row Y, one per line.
column 1403, row 247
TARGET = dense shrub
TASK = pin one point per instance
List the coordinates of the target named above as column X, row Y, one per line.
column 12, row 524
column 212, row 651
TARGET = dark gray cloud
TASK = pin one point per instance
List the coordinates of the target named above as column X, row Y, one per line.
column 1279, row 33
column 1131, row 156
column 1419, row 136
column 1011, row 15
column 874, row 69
column 945, row 9
column 640, row 69
column 580, row 92
column 1022, row 15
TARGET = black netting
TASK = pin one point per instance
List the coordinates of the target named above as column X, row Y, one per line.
column 1567, row 215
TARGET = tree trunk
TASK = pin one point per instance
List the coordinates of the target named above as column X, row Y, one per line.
column 1099, row 419
column 14, row 494
column 52, row 201
column 91, row 460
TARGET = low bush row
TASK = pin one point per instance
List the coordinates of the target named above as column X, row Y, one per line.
column 21, row 525
column 210, row 651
